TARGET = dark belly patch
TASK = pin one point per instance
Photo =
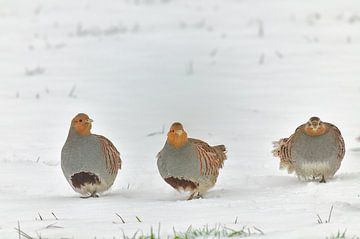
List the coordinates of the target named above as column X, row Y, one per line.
column 183, row 184
column 82, row 178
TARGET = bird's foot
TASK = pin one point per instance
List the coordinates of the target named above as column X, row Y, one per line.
column 93, row 195
column 85, row 197
column 198, row 196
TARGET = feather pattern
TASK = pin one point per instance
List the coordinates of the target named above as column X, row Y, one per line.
column 282, row 149
column 339, row 140
column 111, row 155
column 211, row 158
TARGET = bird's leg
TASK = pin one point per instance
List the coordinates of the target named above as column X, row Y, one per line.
column 195, row 195
column 94, row 195
column 191, row 196
column 198, row 196
column 323, row 179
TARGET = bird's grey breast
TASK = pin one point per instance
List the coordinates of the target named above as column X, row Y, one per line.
column 81, row 153
column 179, row 162
column 314, row 148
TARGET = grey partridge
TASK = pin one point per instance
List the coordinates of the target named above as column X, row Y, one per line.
column 314, row 151
column 189, row 164
column 89, row 162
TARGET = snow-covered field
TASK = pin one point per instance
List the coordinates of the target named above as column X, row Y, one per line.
column 238, row 72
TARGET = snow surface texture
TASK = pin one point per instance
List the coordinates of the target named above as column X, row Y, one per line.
column 239, row 73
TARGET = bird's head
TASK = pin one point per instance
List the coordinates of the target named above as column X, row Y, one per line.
column 315, row 127
column 82, row 124
column 176, row 136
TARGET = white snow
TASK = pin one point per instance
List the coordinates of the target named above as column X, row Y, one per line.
column 237, row 72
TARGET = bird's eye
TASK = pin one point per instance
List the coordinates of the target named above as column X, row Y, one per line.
column 172, row 131
column 80, row 120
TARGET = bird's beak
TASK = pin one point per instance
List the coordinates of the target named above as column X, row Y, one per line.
column 179, row 132
column 315, row 127
column 89, row 121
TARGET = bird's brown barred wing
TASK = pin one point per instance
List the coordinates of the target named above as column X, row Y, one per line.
column 111, row 155
column 339, row 140
column 211, row 158
column 282, row 150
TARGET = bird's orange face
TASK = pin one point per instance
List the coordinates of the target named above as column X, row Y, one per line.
column 177, row 136
column 82, row 124
column 314, row 127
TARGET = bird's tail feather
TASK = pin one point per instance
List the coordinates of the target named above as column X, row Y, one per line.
column 280, row 150
column 277, row 147
column 221, row 151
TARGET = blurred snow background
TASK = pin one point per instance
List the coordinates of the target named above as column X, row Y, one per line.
column 238, row 72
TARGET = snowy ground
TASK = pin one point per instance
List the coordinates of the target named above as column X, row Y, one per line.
column 242, row 73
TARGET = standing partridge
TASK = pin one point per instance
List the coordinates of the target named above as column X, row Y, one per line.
column 314, row 151
column 189, row 164
column 89, row 162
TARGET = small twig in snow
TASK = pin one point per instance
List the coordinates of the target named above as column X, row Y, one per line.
column 21, row 233
column 136, row 28
column 50, row 226
column 35, row 71
column 257, row 229
column 37, row 10
column 348, row 40
column 19, row 230
column 56, row 218
column 72, row 91
column 182, row 24
column 158, row 132
column 190, row 68
column 159, row 229
column 279, row 54
column 262, row 59
column 214, row 52
column 260, row 28
column 320, row 221
column 122, row 220
column 329, row 218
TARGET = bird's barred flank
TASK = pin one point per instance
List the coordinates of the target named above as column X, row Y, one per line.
column 111, row 155
column 339, row 140
column 213, row 157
